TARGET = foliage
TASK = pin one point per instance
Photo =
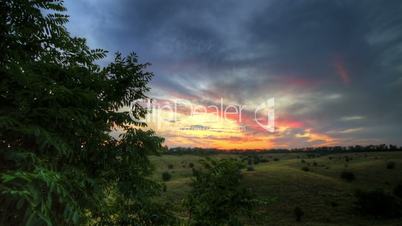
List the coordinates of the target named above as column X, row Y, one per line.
column 298, row 213
column 391, row 165
column 378, row 203
column 217, row 196
column 398, row 190
column 59, row 164
column 348, row 176
column 166, row 176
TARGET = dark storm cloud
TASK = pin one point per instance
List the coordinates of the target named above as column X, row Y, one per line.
column 242, row 50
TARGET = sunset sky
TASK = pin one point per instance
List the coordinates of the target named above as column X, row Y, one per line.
column 334, row 68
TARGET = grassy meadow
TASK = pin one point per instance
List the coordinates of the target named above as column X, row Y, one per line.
column 311, row 182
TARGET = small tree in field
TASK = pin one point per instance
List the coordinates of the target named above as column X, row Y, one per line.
column 217, row 196
column 391, row 165
column 166, row 176
column 59, row 165
column 298, row 213
column 348, row 176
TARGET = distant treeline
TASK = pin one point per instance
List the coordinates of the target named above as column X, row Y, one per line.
column 318, row 150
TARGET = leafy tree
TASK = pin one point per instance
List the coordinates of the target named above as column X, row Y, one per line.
column 59, row 163
column 166, row 176
column 217, row 196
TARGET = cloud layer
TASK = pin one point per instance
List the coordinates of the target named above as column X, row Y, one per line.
column 334, row 67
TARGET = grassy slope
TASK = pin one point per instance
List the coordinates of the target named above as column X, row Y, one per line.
column 324, row 197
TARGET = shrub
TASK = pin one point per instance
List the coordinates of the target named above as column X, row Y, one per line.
column 276, row 159
column 334, row 204
column 391, row 165
column 348, row 176
column 250, row 168
column 398, row 190
column 250, row 161
column 298, row 213
column 257, row 159
column 218, row 195
column 378, row 203
column 303, row 161
column 315, row 164
column 166, row 176
column 170, row 166
column 191, row 165
column 305, row 168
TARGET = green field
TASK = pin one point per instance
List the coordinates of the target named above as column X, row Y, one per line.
column 325, row 198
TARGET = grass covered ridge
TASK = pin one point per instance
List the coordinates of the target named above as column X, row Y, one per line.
column 321, row 193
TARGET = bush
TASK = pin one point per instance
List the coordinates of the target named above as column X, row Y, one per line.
column 398, row 190
column 378, row 203
column 348, row 176
column 250, row 161
column 391, row 165
column 170, row 166
column 250, row 168
column 276, row 159
column 191, row 165
column 257, row 159
column 218, row 196
column 305, row 168
column 166, row 176
column 298, row 213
